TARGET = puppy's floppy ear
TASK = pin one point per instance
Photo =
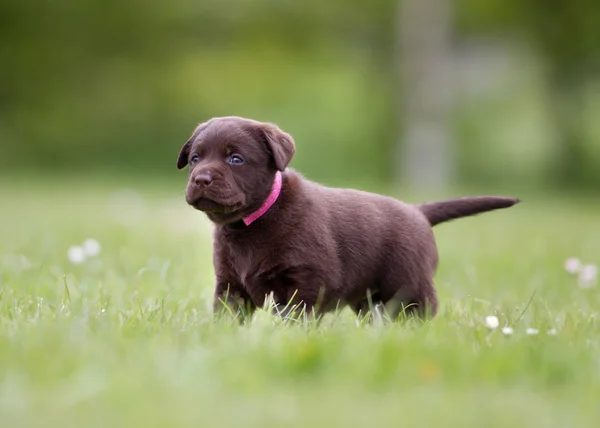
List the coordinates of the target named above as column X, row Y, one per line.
column 184, row 154
column 281, row 144
column 182, row 160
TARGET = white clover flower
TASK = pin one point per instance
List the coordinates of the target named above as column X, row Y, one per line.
column 573, row 265
column 507, row 331
column 492, row 322
column 532, row 331
column 552, row 332
column 587, row 276
column 76, row 254
column 91, row 247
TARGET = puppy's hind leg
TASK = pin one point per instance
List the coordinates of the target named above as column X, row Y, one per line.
column 418, row 299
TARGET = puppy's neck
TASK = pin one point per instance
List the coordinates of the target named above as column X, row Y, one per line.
column 268, row 203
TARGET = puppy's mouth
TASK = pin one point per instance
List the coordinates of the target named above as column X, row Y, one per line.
column 209, row 206
column 213, row 204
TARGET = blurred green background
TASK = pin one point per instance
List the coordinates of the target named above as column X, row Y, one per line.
column 416, row 98
column 415, row 92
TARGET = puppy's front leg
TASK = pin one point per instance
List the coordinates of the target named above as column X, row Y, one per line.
column 230, row 299
column 302, row 300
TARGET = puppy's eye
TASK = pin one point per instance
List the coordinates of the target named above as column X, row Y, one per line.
column 235, row 160
column 194, row 159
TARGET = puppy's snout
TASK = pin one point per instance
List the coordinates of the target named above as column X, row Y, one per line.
column 203, row 179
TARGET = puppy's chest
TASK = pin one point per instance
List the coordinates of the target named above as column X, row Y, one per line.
column 255, row 260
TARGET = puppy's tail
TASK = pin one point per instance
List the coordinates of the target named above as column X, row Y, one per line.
column 442, row 211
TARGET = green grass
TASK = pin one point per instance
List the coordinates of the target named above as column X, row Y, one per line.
column 127, row 337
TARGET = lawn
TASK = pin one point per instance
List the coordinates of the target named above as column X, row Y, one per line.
column 126, row 337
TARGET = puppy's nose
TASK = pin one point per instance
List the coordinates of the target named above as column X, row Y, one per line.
column 203, row 179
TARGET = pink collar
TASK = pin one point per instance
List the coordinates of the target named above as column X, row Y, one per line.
column 268, row 203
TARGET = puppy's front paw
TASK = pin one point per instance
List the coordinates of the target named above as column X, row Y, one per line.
column 289, row 311
column 228, row 308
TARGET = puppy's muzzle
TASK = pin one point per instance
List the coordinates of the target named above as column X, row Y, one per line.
column 202, row 179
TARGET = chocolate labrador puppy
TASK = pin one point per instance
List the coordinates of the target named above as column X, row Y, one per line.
column 318, row 248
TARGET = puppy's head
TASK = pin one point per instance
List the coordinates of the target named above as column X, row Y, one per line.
column 232, row 163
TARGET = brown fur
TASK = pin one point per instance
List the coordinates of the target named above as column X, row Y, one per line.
column 317, row 246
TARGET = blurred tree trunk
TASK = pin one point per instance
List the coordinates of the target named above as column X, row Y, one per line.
column 424, row 149
column 567, row 116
